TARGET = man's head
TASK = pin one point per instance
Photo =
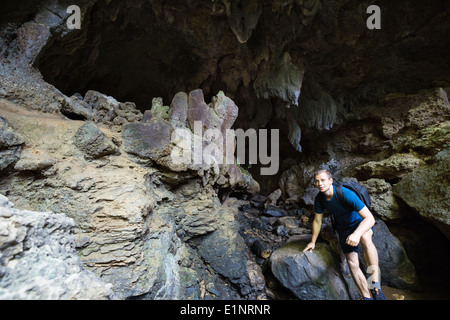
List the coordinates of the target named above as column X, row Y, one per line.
column 323, row 180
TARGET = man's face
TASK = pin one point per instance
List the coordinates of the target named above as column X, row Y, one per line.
column 323, row 182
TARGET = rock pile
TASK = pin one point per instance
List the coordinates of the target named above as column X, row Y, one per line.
column 152, row 233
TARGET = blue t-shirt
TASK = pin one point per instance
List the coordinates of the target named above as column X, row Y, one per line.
column 342, row 216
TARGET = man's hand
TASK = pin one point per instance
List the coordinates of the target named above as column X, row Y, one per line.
column 353, row 240
column 310, row 247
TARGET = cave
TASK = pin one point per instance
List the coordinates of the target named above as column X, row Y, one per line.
column 128, row 56
column 367, row 103
column 137, row 51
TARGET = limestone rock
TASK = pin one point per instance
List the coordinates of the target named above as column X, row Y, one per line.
column 223, row 112
column 10, row 144
column 428, row 192
column 426, row 124
column 147, row 140
column 246, row 182
column 396, row 166
column 8, row 136
column 319, row 110
column 225, row 253
column 295, row 134
column 294, row 181
column 198, row 110
column 309, row 196
column 384, row 203
column 106, row 109
column 310, row 275
column 168, row 136
column 197, row 217
column 430, row 112
column 34, row 160
column 99, row 108
column 38, row 258
column 243, row 17
column 274, row 211
column 395, row 267
column 431, row 139
column 93, row 142
column 273, row 197
column 132, row 227
column 178, row 110
column 102, row 106
column 284, row 82
column 158, row 110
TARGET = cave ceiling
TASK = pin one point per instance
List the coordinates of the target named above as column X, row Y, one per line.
column 305, row 59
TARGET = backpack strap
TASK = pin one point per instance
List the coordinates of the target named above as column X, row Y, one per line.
column 340, row 195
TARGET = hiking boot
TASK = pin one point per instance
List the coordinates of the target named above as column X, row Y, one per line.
column 377, row 294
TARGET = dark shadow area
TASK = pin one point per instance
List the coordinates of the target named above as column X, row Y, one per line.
column 124, row 54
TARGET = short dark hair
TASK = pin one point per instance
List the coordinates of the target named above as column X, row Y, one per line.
column 328, row 173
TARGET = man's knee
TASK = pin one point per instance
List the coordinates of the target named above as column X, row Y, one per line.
column 352, row 260
column 366, row 238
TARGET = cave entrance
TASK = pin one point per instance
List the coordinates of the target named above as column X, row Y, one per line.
column 121, row 52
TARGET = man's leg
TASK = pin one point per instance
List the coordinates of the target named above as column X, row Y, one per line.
column 370, row 255
column 357, row 274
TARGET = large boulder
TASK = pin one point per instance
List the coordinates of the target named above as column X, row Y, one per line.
column 323, row 274
column 311, row 275
column 225, row 251
column 395, row 267
column 148, row 140
column 92, row 141
column 427, row 191
column 384, row 203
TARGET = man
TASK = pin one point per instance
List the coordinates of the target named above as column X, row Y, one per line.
column 353, row 227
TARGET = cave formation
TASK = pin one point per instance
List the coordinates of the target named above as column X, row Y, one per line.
column 303, row 67
column 135, row 51
column 262, row 54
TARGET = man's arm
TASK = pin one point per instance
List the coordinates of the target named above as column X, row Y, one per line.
column 364, row 226
column 316, row 226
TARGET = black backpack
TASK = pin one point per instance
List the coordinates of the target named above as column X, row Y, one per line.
column 360, row 191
